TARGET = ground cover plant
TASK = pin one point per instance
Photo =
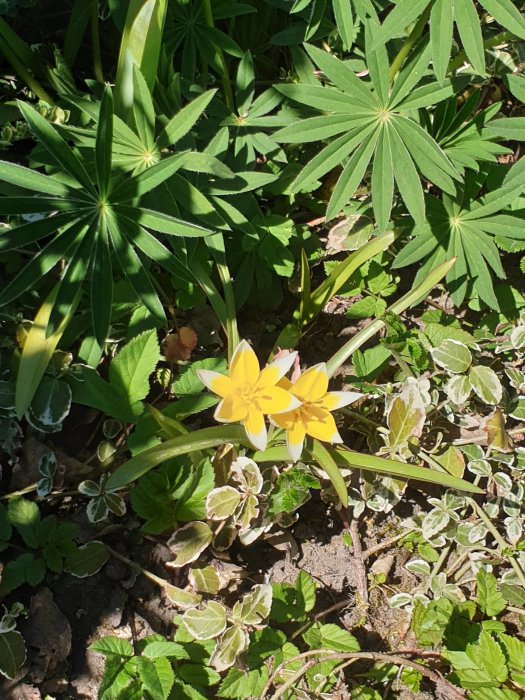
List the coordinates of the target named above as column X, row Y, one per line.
column 262, row 385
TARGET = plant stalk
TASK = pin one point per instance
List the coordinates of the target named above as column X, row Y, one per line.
column 412, row 297
column 410, row 42
column 499, row 539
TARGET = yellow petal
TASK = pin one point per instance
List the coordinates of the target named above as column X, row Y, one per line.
column 295, row 436
column 320, row 424
column 285, row 420
column 216, row 382
column 256, row 428
column 244, row 367
column 273, row 399
column 285, row 383
column 275, row 371
column 231, row 409
column 312, row 384
column 337, row 399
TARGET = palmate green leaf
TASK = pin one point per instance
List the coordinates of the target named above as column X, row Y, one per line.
column 465, row 227
column 379, row 124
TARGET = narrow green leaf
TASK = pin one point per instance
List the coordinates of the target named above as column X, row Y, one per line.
column 140, row 46
column 330, row 157
column 344, row 21
column 508, row 128
column 104, row 142
column 469, row 28
column 325, row 460
column 37, row 352
column 352, row 175
column 148, row 179
column 134, row 270
column 33, row 180
column 383, row 180
column 198, row 440
column 427, row 95
column 507, row 14
column 245, row 84
column 322, row 98
column 342, row 77
column 441, row 29
column 101, row 286
column 341, row 274
column 35, row 205
column 56, row 146
column 320, row 128
column 377, row 62
column 180, row 124
column 143, row 110
column 407, row 178
column 163, row 223
column 23, row 235
column 74, row 275
column 57, row 249
column 404, row 13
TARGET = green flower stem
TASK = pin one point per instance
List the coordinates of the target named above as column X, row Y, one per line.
column 409, row 43
column 95, row 42
column 410, row 299
column 226, row 85
column 504, row 546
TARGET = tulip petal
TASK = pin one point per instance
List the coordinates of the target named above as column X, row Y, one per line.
column 220, row 384
column 273, row 399
column 244, row 366
column 284, row 420
column 231, row 409
column 338, row 399
column 320, row 424
column 295, row 436
column 312, row 385
column 276, row 370
column 256, row 428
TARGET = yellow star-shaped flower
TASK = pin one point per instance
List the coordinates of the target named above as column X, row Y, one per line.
column 313, row 417
column 249, row 393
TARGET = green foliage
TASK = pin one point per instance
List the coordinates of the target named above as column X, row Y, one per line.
column 51, row 546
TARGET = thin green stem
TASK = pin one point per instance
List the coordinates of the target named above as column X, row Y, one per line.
column 410, row 42
column 95, row 41
column 412, row 298
column 226, row 85
column 504, row 546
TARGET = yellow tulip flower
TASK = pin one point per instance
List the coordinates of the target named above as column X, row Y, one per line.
column 249, row 393
column 313, row 417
